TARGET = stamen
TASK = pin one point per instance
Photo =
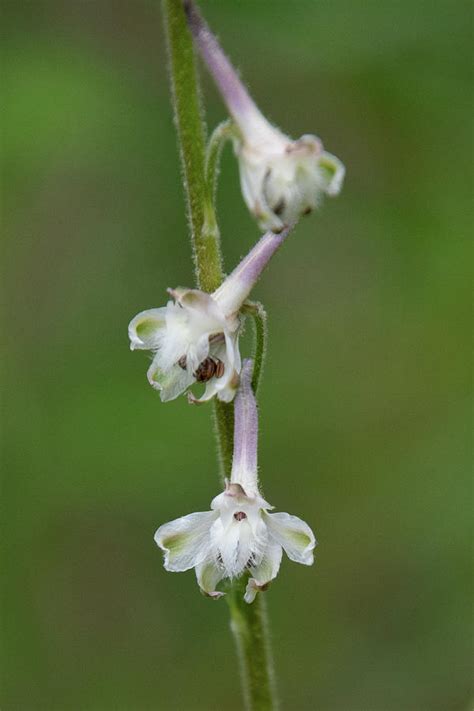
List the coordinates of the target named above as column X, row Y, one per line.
column 216, row 338
column 240, row 515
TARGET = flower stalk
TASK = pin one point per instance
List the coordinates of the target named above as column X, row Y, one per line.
column 221, row 134
column 259, row 317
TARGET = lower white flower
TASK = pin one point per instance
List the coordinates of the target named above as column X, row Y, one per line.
column 238, row 534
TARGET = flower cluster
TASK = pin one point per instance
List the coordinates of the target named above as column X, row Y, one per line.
column 194, row 339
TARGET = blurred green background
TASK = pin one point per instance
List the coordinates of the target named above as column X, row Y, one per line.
column 365, row 417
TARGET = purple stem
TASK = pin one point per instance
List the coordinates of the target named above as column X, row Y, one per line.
column 244, row 464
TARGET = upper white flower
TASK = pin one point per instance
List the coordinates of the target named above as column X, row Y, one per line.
column 281, row 178
column 238, row 535
column 194, row 338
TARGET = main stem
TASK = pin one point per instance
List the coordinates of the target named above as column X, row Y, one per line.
column 191, row 139
column 248, row 622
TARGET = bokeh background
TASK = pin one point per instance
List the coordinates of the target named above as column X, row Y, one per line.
column 365, row 414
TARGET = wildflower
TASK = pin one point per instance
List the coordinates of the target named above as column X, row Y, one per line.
column 238, row 534
column 195, row 337
column 281, row 178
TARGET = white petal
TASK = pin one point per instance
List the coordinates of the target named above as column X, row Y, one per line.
column 331, row 173
column 264, row 572
column 227, row 394
column 239, row 535
column 293, row 534
column 209, row 392
column 185, row 540
column 251, row 591
column 208, row 574
column 252, row 174
column 224, row 387
column 171, row 383
column 233, row 542
column 202, row 306
column 143, row 329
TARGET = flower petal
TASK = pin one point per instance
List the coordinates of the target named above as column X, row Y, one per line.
column 201, row 305
column 252, row 175
column 293, row 534
column 227, row 394
column 143, row 329
column 224, row 387
column 185, row 540
column 209, row 392
column 171, row 383
column 208, row 574
column 331, row 173
column 264, row 572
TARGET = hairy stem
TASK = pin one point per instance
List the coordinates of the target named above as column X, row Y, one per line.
column 259, row 316
column 191, row 138
column 249, row 624
column 221, row 134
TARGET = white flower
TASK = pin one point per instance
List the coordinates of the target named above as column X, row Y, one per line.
column 193, row 341
column 195, row 337
column 281, row 178
column 238, row 535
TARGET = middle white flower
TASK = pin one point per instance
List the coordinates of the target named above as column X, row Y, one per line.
column 195, row 337
column 193, row 340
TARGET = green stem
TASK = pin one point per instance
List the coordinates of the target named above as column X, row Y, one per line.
column 256, row 310
column 191, row 138
column 221, row 134
column 248, row 622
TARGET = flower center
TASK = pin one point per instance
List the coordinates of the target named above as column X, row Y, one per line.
column 209, row 368
column 240, row 515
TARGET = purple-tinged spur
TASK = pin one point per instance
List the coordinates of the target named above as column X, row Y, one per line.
column 281, row 178
column 195, row 337
column 238, row 535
